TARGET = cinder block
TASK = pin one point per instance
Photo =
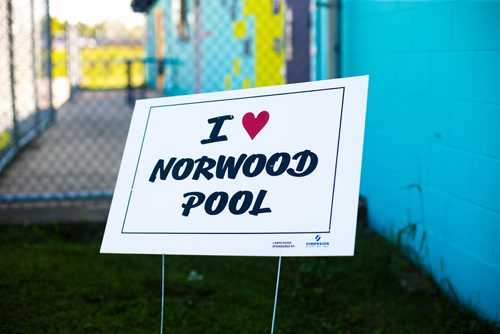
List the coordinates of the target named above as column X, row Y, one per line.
column 431, row 119
column 413, row 157
column 436, row 206
column 398, row 115
column 496, row 237
column 375, row 111
column 485, row 189
column 452, row 75
column 390, row 146
column 474, row 282
column 487, row 80
column 398, row 31
column 391, row 154
column 431, row 26
column 388, row 187
column 368, row 34
column 436, row 248
column 373, row 8
column 475, row 127
column 413, row 72
column 383, row 148
column 475, row 25
column 471, row 228
column 377, row 217
column 380, row 68
column 450, row 170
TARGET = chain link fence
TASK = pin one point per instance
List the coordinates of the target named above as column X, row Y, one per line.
column 67, row 89
column 25, row 97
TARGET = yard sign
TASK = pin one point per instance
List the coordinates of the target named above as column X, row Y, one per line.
column 268, row 171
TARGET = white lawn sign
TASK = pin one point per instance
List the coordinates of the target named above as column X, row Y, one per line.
column 270, row 171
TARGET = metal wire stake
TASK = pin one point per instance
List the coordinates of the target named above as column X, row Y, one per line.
column 276, row 295
column 162, row 291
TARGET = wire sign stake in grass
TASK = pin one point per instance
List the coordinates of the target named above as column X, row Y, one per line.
column 270, row 171
column 162, row 293
column 276, row 295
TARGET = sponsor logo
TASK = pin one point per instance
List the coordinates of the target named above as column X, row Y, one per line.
column 317, row 243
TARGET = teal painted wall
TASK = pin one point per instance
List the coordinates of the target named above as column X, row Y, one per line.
column 174, row 47
column 220, row 48
column 431, row 163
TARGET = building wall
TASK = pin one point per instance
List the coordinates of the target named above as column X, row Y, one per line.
column 230, row 44
column 431, row 163
column 174, row 47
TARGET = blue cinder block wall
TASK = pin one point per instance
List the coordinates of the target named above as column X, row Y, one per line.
column 431, row 163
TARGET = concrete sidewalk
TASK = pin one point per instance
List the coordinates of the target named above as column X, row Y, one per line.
column 80, row 153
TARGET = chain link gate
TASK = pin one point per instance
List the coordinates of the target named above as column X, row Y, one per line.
column 67, row 89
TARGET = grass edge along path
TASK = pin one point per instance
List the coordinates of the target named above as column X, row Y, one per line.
column 53, row 280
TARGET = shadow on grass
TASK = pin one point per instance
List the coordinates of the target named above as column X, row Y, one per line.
column 53, row 280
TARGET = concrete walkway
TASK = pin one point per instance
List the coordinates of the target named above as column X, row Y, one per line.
column 80, row 152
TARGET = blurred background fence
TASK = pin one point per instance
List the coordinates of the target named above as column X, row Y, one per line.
column 26, row 105
column 68, row 81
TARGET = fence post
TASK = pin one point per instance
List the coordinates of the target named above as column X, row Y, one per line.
column 318, row 38
column 38, row 120
column 338, row 35
column 333, row 20
column 49, row 59
column 129, row 81
column 15, row 128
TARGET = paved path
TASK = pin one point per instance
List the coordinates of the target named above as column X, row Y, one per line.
column 81, row 152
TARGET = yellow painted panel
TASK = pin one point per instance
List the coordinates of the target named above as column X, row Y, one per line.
column 247, row 83
column 227, row 82
column 240, row 29
column 269, row 34
column 4, row 140
column 236, row 66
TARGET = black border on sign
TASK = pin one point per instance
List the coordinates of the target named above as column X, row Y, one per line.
column 232, row 99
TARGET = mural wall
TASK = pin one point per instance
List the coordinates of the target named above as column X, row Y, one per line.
column 229, row 44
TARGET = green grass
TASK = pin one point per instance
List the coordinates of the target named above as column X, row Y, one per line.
column 53, row 280
column 104, row 67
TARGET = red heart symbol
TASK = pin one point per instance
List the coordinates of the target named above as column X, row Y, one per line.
column 253, row 124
